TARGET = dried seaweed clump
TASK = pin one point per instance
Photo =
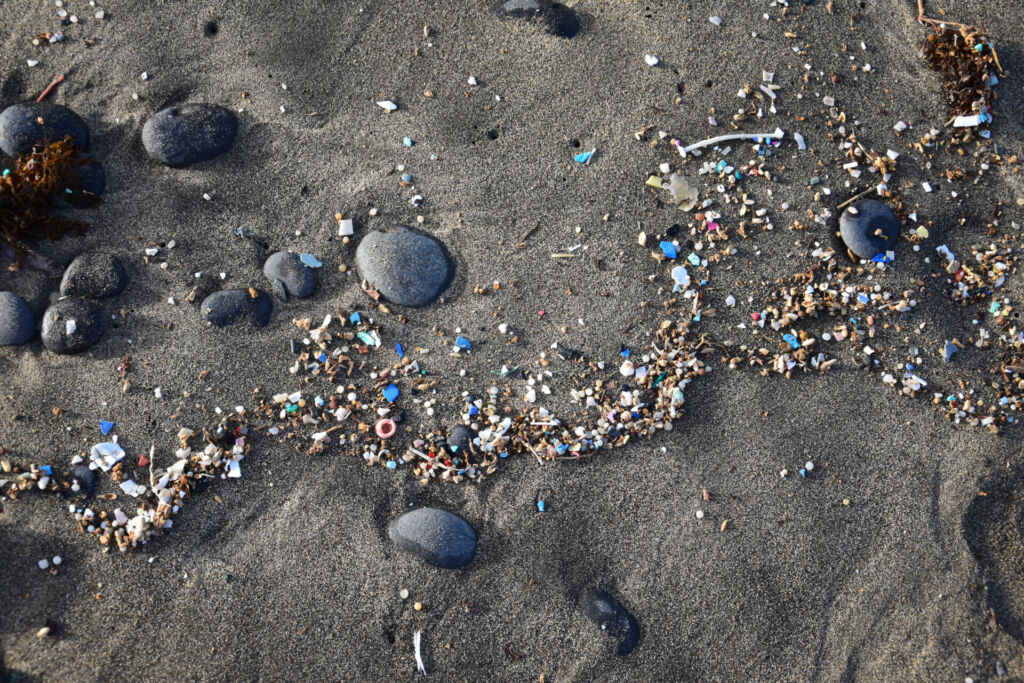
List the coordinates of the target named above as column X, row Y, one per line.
column 28, row 196
column 967, row 63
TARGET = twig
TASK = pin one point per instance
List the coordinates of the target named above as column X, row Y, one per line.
column 46, row 91
column 778, row 134
column 522, row 240
column 855, row 197
column 922, row 19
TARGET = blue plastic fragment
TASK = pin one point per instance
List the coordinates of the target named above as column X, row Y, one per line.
column 406, row 178
column 398, row 348
column 803, row 472
column 48, row 469
column 322, row 357
column 625, row 353
column 392, row 465
column 7, row 172
column 584, row 157
column 355, row 318
column 791, row 340
column 407, row 141
column 881, row 258
column 310, row 260
column 473, row 410
column 105, row 427
column 668, row 249
column 540, row 505
column 863, row 298
column 391, row 393
column 693, row 259
column 463, row 343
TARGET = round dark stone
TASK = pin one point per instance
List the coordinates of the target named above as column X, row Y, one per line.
column 869, row 228
column 459, row 439
column 29, row 123
column 605, row 611
column 86, row 479
column 557, row 19
column 17, row 324
column 439, row 537
column 407, row 267
column 86, row 184
column 231, row 305
column 89, row 325
column 189, row 133
column 94, row 275
column 295, row 276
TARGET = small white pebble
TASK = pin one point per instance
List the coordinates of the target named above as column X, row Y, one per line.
column 651, row 60
column 809, row 466
column 33, row 62
column 43, row 563
column 57, row 559
column 206, row 196
column 144, row 76
column 700, row 514
column 404, row 593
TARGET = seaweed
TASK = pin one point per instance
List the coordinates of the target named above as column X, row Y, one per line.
column 29, row 194
column 966, row 61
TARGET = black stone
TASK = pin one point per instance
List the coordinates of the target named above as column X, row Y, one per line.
column 557, row 19
column 86, row 479
column 861, row 221
column 295, row 276
column 20, row 127
column 17, row 324
column 407, row 267
column 608, row 613
column 189, row 133
column 439, row 537
column 231, row 305
column 90, row 323
column 94, row 275
column 459, row 439
column 87, row 183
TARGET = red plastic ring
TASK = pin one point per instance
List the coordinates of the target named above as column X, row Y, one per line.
column 385, row 428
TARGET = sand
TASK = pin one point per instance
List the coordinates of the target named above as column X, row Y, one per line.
column 288, row 573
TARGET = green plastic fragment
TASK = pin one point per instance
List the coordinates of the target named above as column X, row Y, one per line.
column 658, row 381
column 366, row 338
column 655, row 181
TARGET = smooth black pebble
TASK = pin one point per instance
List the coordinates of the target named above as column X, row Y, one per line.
column 87, row 183
column 439, row 537
column 72, row 325
column 869, row 228
column 29, row 123
column 614, row 619
column 189, row 133
column 231, row 305
column 17, row 324
column 558, row 20
column 86, row 479
column 295, row 277
column 407, row 267
column 459, row 439
column 94, row 275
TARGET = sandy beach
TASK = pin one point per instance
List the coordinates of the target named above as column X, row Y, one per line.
column 896, row 556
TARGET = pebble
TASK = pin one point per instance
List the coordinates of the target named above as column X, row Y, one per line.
column 460, row 438
column 86, row 479
column 94, row 275
column 861, row 221
column 605, row 611
column 231, row 305
column 439, row 537
column 407, row 267
column 72, row 325
column 558, row 20
column 89, row 179
column 17, row 324
column 189, row 133
column 20, row 127
column 296, row 277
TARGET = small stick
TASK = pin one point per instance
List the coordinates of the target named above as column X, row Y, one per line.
column 778, row 134
column 57, row 81
column 855, row 197
column 522, row 240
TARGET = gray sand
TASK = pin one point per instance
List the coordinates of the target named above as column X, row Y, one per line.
column 290, row 574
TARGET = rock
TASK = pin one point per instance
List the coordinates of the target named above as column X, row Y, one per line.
column 558, row 20
column 231, row 305
column 17, row 324
column 87, row 183
column 28, row 123
column 94, row 275
column 72, row 325
column 605, row 611
column 86, row 479
column 295, row 276
column 459, row 439
column 189, row 133
column 869, row 228
column 440, row 537
column 407, row 267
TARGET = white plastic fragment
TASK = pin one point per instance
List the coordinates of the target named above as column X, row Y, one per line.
column 800, row 141
column 387, row 105
column 417, row 637
column 777, row 135
column 967, row 121
column 651, row 60
column 717, row 21
column 106, row 455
